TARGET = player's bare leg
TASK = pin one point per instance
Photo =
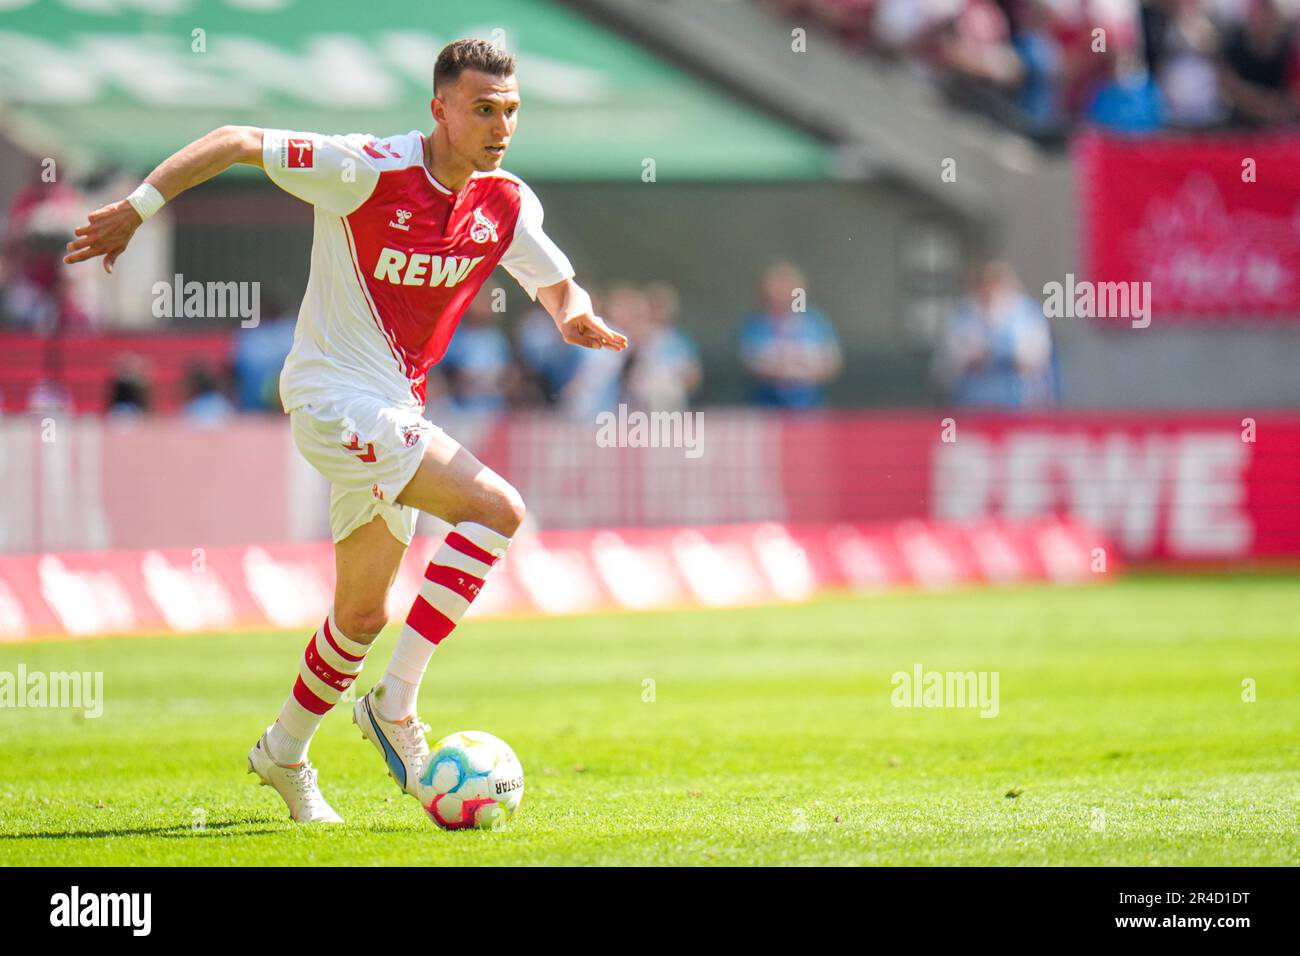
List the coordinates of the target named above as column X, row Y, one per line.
column 454, row 485
column 484, row 511
column 365, row 563
column 365, row 566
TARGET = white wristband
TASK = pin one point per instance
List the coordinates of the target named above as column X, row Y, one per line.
column 146, row 200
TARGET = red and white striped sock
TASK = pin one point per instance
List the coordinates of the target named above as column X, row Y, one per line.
column 329, row 666
column 451, row 582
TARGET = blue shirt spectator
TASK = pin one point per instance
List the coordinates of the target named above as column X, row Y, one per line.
column 210, row 408
column 205, row 403
column 1040, row 96
column 1129, row 102
column 552, row 361
column 259, row 354
column 479, row 362
column 664, row 369
column 789, row 351
column 997, row 350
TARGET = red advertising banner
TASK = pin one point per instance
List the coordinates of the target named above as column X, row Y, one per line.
column 98, row 593
column 1181, row 487
column 1188, row 487
column 1203, row 486
column 1212, row 223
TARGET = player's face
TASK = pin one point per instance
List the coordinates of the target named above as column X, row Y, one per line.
column 479, row 112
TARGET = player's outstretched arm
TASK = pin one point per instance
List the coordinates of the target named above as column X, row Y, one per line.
column 109, row 228
column 570, row 306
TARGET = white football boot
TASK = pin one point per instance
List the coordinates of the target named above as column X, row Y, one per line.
column 297, row 785
column 401, row 743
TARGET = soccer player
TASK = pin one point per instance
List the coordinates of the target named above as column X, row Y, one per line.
column 407, row 228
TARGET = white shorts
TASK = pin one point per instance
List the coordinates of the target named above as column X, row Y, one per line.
column 369, row 450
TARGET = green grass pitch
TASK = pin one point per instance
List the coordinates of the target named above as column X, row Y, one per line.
column 1122, row 738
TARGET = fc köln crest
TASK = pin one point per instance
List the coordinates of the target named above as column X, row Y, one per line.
column 484, row 229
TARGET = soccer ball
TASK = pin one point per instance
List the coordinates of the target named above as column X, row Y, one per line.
column 472, row 779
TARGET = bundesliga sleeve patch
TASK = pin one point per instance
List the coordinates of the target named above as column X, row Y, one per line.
column 298, row 154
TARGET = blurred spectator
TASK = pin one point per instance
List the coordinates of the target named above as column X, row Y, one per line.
column 48, row 395
column 1155, row 18
column 205, row 403
column 1040, row 66
column 975, row 44
column 849, row 20
column 438, row 403
column 258, row 355
column 1256, row 70
column 664, row 368
column 899, row 25
column 479, row 365
column 998, row 349
column 1129, row 100
column 596, row 383
column 1183, row 53
column 545, row 357
column 37, row 293
column 128, row 390
column 1044, row 67
column 1075, row 27
column 789, row 350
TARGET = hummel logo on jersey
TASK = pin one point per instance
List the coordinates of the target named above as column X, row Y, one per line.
column 402, row 216
column 422, row 268
column 383, row 151
column 483, row 228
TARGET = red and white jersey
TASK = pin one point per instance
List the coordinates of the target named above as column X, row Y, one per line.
column 396, row 258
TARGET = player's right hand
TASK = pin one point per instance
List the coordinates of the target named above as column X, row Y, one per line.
column 106, row 233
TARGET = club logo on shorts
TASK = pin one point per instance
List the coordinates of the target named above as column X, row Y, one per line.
column 403, row 215
column 377, row 491
column 410, row 435
column 484, row 229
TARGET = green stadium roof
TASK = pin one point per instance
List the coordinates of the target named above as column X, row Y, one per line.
column 129, row 81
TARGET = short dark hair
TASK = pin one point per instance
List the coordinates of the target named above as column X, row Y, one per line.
column 470, row 54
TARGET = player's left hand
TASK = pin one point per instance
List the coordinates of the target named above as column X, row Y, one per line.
column 590, row 331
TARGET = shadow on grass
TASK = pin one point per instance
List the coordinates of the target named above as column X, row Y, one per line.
column 175, row 831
